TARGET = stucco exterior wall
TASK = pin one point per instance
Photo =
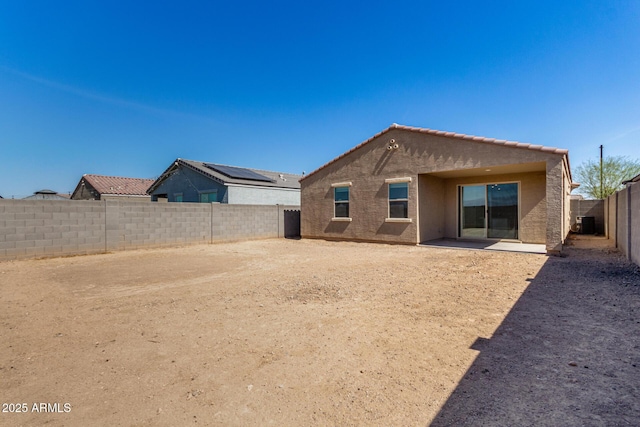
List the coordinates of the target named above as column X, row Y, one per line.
column 368, row 208
column 251, row 195
column 556, row 206
column 418, row 155
column 431, row 192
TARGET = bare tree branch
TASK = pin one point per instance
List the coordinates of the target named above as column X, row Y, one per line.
column 615, row 170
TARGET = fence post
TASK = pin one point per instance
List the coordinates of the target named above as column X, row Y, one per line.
column 617, row 221
column 629, row 216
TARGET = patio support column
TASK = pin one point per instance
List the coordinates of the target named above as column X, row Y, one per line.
column 555, row 200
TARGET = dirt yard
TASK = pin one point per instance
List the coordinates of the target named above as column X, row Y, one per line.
column 286, row 332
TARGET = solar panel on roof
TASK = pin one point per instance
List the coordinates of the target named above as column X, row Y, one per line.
column 239, row 173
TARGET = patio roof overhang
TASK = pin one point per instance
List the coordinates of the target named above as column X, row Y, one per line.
column 490, row 170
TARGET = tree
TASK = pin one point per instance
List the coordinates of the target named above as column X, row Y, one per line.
column 615, row 169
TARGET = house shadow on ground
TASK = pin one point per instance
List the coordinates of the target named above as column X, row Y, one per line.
column 568, row 353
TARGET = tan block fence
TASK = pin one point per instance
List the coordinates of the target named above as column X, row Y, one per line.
column 49, row 228
column 622, row 221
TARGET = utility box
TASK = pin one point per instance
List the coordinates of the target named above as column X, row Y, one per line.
column 586, row 224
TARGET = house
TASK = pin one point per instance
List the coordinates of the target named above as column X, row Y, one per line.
column 411, row 185
column 47, row 195
column 101, row 187
column 195, row 181
column 631, row 181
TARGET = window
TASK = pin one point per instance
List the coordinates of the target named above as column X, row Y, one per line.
column 178, row 197
column 399, row 200
column 341, row 202
column 209, row 196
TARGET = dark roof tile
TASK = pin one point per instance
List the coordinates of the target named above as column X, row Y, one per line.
column 276, row 179
column 119, row 185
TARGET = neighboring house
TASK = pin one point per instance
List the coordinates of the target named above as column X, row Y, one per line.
column 47, row 195
column 100, row 187
column 631, row 181
column 411, row 185
column 194, row 181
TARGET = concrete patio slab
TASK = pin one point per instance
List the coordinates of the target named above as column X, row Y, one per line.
column 487, row 245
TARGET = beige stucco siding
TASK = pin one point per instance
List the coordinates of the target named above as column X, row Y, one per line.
column 368, row 210
column 436, row 165
column 556, row 201
column 432, row 215
column 566, row 201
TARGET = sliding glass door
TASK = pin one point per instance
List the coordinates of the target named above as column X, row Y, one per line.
column 473, row 207
column 488, row 211
column 502, row 208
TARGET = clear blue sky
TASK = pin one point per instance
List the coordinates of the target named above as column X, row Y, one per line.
column 123, row 88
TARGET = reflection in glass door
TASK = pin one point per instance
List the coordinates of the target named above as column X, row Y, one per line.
column 489, row 211
column 472, row 211
column 502, row 211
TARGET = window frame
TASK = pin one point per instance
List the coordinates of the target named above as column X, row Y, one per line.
column 485, row 184
column 207, row 192
column 393, row 181
column 348, row 186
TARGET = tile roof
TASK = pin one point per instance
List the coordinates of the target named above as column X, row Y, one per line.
column 118, row 185
column 46, row 194
column 276, row 179
column 474, row 138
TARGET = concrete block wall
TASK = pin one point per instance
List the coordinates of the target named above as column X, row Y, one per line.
column 623, row 221
column 141, row 225
column 594, row 208
column 622, row 232
column 48, row 228
column 238, row 222
column 610, row 215
column 633, row 200
column 38, row 228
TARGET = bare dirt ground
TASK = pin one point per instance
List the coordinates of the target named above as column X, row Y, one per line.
column 286, row 332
